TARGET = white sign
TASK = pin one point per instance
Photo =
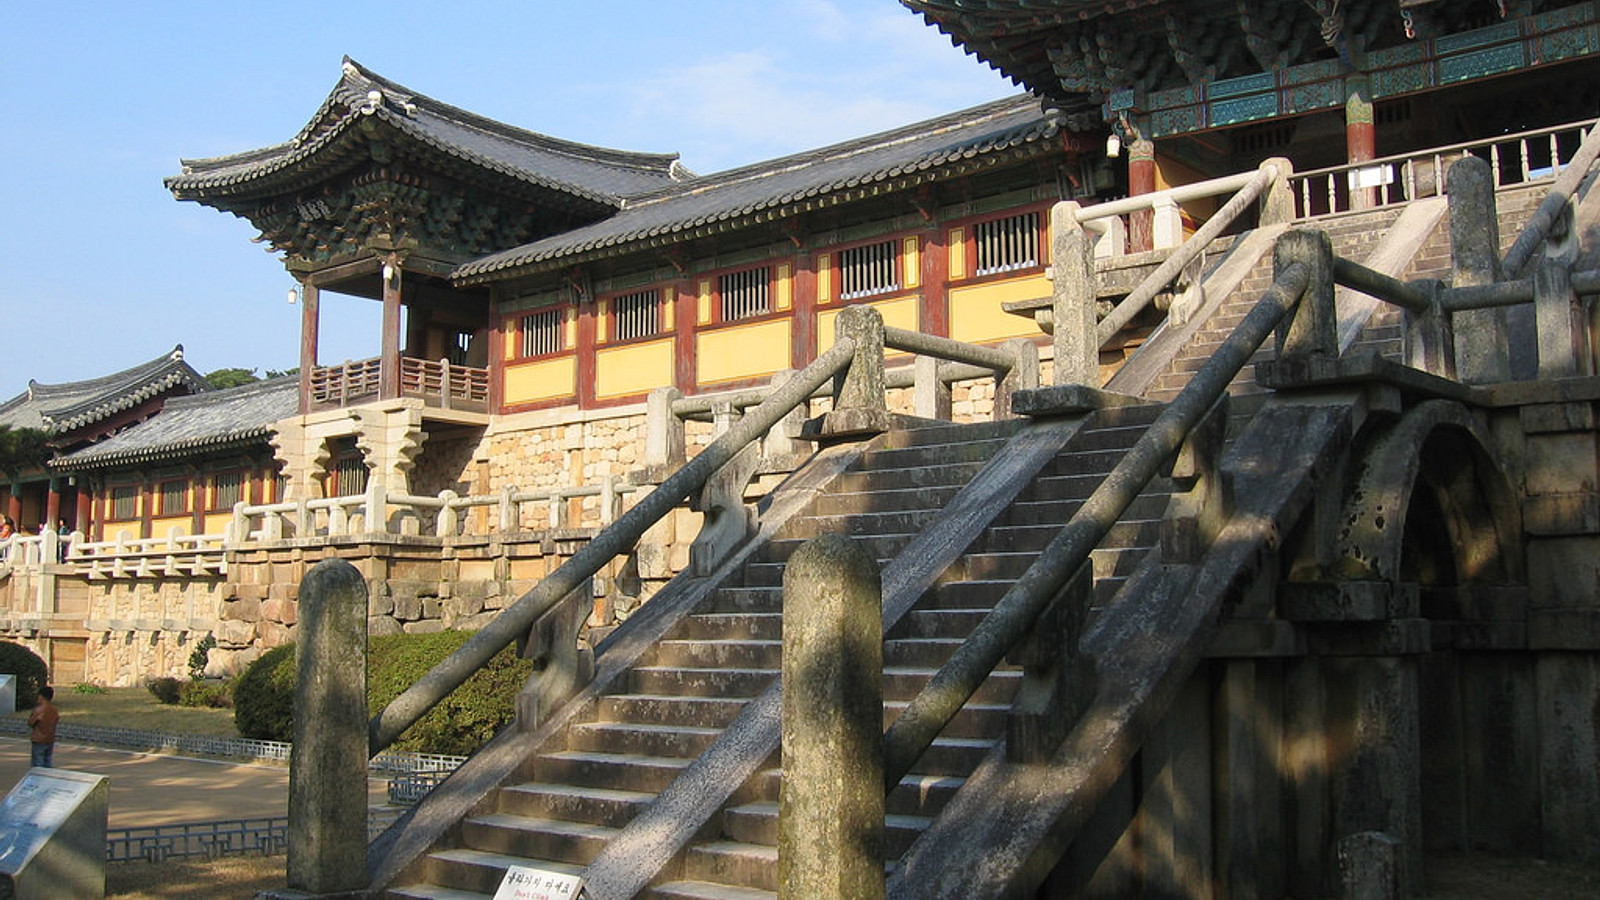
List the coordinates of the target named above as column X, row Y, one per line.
column 523, row 883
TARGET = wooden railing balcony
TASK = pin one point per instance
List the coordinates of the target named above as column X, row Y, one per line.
column 439, row 383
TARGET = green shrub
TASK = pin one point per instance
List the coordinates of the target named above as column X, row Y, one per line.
column 165, row 689
column 199, row 656
column 87, row 687
column 30, row 671
column 206, row 693
column 263, row 698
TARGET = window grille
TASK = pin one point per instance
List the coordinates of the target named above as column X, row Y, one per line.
column 868, row 270
column 349, row 477
column 1007, row 244
column 227, row 488
column 638, row 315
column 460, row 347
column 541, row 332
column 745, row 294
column 124, row 502
column 174, row 497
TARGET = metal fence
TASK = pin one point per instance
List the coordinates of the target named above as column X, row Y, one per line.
column 211, row 840
column 224, row 748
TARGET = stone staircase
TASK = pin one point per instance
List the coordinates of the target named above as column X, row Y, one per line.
column 574, row 795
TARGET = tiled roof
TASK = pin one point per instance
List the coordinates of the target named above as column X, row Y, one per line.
column 921, row 152
column 197, row 424
column 59, row 408
column 326, row 143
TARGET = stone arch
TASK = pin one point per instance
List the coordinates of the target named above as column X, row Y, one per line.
column 1432, row 504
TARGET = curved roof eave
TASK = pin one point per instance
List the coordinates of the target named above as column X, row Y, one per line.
column 570, row 248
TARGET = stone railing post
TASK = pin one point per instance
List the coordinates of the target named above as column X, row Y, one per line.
column 862, row 385
column 1024, row 375
column 1311, row 332
column 1058, row 678
column 1482, row 351
column 1167, row 223
column 449, row 519
column 831, row 805
column 1430, row 339
column 1276, row 205
column 328, row 762
column 930, row 396
column 1560, row 319
column 1072, row 301
column 663, row 430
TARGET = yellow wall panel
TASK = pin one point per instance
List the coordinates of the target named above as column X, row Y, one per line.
column 162, row 526
column 824, row 274
column 704, row 312
column 633, row 369
column 546, row 380
column 785, row 287
column 913, row 263
column 749, row 351
column 976, row 315
column 217, row 523
column 602, row 328
column 957, row 244
column 901, row 313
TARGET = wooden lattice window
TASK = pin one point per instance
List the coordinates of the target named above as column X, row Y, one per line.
column 349, row 476
column 173, row 497
column 227, row 488
column 1007, row 244
column 867, row 270
column 746, row 293
column 638, row 315
column 125, row 502
column 542, row 332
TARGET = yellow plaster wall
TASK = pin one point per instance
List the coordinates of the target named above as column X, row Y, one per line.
column 217, row 523
column 633, row 368
column 162, row 526
column 545, row 380
column 898, row 313
column 976, row 314
column 747, row 351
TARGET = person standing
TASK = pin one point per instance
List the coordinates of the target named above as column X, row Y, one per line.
column 42, row 727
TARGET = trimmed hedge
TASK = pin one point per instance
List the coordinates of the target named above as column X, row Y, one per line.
column 461, row 723
column 165, row 689
column 30, row 671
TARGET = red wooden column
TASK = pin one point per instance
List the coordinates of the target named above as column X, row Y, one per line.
column 85, row 517
column 1360, row 135
column 310, row 319
column 389, row 362
column 1141, row 180
column 52, row 504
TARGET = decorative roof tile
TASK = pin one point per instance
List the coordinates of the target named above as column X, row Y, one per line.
column 60, row 408
column 327, row 142
column 195, row 425
column 923, row 151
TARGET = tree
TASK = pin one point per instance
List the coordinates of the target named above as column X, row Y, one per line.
column 227, row 378
column 23, row 448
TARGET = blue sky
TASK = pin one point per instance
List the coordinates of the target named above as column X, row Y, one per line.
column 100, row 100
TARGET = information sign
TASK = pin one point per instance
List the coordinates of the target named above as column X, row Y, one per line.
column 524, row 883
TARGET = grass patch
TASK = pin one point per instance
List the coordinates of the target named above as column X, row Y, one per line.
column 136, row 707
column 233, row 876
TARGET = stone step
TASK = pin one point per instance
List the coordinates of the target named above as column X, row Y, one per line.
column 728, row 599
column 733, row 863
column 617, row 771
column 755, row 626
column 930, row 475
column 704, row 890
column 1031, row 511
column 701, row 682
column 934, row 433
column 555, row 840
column 852, row 502
column 641, row 738
column 858, row 524
column 904, row 682
column 705, row 712
column 941, row 454
column 431, row 892
column 1033, row 538
column 701, row 653
column 477, row 871
column 593, row 805
column 757, row 823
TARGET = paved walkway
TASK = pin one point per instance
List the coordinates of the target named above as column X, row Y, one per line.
column 157, row 789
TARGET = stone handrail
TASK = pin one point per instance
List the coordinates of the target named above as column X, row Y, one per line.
column 1388, row 180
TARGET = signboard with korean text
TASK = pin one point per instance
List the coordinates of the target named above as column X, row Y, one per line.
column 523, row 883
